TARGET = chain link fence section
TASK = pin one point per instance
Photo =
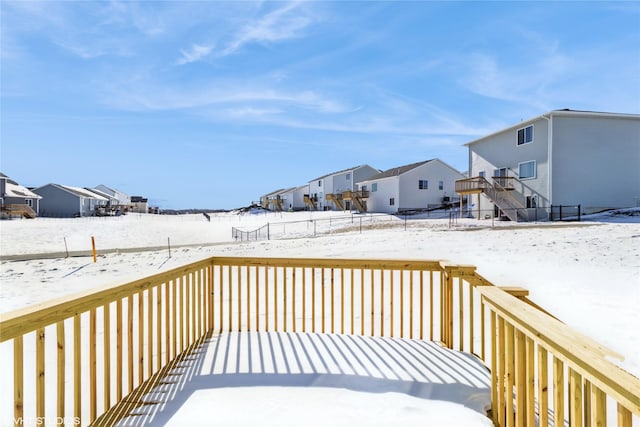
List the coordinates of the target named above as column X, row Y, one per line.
column 315, row 227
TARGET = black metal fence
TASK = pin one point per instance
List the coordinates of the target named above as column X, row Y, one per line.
column 565, row 213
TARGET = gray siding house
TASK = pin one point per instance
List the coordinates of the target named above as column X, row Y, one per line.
column 563, row 157
column 63, row 201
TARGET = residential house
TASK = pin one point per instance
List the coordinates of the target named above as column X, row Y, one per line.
column 65, row 201
column 292, row 199
column 122, row 199
column 265, row 200
column 327, row 192
column 140, row 204
column 414, row 187
column 560, row 158
column 16, row 200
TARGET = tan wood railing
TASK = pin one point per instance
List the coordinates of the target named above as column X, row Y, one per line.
column 112, row 340
column 19, row 210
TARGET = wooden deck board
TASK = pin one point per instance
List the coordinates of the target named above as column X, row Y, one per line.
column 421, row 369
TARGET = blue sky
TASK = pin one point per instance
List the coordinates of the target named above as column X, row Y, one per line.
column 211, row 104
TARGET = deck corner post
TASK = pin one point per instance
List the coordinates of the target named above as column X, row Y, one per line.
column 446, row 321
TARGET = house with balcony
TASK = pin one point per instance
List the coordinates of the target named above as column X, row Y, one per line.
column 581, row 159
column 337, row 190
column 267, row 199
column 16, row 200
column 418, row 186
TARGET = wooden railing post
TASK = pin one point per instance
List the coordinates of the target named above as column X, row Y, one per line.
column 446, row 320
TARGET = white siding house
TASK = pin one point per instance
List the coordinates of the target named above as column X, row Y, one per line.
column 328, row 189
column 293, row 198
column 122, row 198
column 562, row 157
column 414, row 187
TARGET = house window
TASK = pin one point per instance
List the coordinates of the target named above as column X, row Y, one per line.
column 374, row 187
column 363, row 188
column 319, row 183
column 423, row 184
column 481, row 174
column 527, row 169
column 28, row 202
column 531, row 201
column 348, row 177
column 500, row 172
column 525, row 135
column 440, row 185
column 392, row 201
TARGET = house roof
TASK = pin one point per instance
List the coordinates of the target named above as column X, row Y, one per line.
column 106, row 190
column 274, row 192
column 15, row 190
column 564, row 112
column 84, row 192
column 339, row 172
column 77, row 191
column 100, row 193
column 397, row 171
column 8, row 179
column 287, row 190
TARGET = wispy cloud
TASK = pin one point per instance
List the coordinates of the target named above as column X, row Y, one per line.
column 195, row 53
column 281, row 24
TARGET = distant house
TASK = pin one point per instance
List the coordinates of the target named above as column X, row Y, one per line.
column 562, row 157
column 141, row 205
column 266, row 200
column 414, row 187
column 64, row 201
column 293, row 198
column 326, row 192
column 289, row 199
column 122, row 199
column 16, row 200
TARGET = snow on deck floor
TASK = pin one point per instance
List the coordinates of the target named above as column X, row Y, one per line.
column 280, row 378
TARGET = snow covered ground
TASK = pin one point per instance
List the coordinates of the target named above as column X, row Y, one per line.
column 587, row 274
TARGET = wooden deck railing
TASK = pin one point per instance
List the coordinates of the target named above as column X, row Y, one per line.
column 106, row 343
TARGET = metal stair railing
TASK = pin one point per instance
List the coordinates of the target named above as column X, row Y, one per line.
column 511, row 206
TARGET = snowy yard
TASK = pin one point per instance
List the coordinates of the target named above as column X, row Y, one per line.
column 587, row 274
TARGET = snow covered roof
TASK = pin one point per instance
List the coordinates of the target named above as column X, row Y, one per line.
column 101, row 193
column 273, row 193
column 15, row 190
column 80, row 192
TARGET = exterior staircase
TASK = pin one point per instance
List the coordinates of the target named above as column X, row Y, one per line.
column 500, row 191
column 357, row 198
column 19, row 210
column 277, row 202
column 311, row 201
column 337, row 200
